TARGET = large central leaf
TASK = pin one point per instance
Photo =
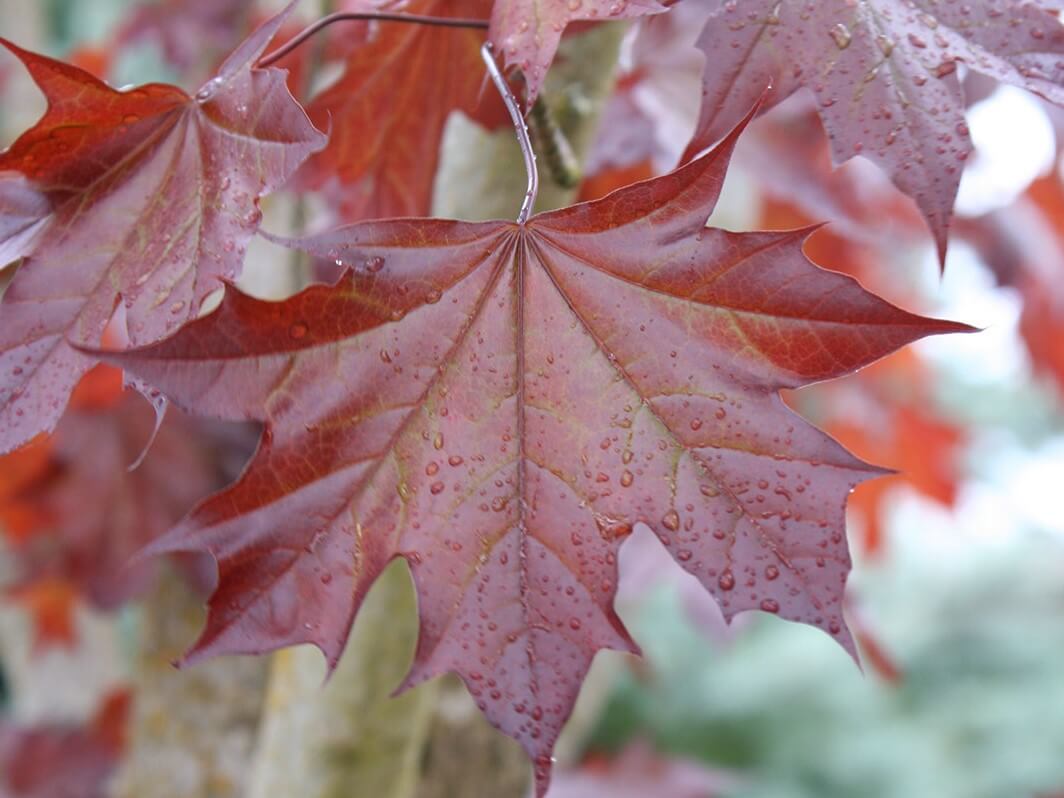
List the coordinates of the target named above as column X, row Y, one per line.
column 499, row 404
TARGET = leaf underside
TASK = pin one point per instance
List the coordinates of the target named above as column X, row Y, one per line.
column 499, row 404
column 884, row 73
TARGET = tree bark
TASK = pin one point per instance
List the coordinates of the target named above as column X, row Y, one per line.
column 192, row 731
column 349, row 737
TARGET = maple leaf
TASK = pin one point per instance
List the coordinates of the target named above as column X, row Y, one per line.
column 153, row 194
column 499, row 404
column 526, row 33
column 389, row 108
column 884, row 75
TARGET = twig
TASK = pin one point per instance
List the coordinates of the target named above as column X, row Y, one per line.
column 381, row 16
column 487, row 52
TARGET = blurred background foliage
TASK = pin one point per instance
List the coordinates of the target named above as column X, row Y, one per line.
column 958, row 592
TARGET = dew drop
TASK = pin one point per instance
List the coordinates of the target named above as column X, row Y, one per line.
column 671, row 520
column 841, row 35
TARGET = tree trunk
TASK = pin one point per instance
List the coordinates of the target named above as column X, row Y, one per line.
column 192, row 731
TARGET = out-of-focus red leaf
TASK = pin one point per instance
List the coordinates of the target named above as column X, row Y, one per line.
column 611, row 178
column 64, row 760
column 1023, row 245
column 388, row 109
column 50, row 604
column 892, row 421
column 637, row 772
column 499, row 404
column 94, row 60
column 526, row 33
column 624, row 147
column 189, row 33
column 154, row 196
column 788, row 152
column 884, row 73
column 74, row 514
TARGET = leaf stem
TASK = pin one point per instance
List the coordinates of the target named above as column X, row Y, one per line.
column 488, row 54
column 381, row 16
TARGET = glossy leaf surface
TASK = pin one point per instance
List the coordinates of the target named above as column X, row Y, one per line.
column 884, row 73
column 154, row 196
column 500, row 404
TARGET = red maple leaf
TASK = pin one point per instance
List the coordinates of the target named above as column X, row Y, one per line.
column 499, row 404
column 64, row 760
column 884, row 75
column 389, row 108
column 526, row 33
column 154, row 196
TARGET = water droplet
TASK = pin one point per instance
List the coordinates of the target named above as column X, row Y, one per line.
column 671, row 520
column 574, row 624
column 436, row 488
column 209, row 89
column 945, row 69
column 627, row 479
column 770, row 605
column 726, row 581
column 841, row 35
column 437, row 442
column 928, row 20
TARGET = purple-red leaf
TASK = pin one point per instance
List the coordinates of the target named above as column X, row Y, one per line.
column 389, row 108
column 153, row 196
column 527, row 32
column 24, row 213
column 884, row 73
column 499, row 404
